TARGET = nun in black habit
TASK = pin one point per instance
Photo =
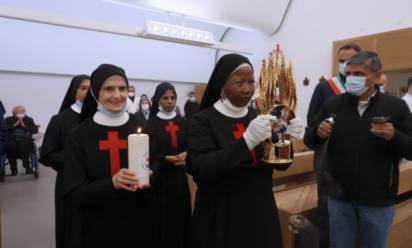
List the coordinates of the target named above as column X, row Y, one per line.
column 169, row 205
column 105, row 203
column 235, row 205
column 54, row 142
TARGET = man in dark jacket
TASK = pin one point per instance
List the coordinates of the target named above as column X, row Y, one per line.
column 20, row 142
column 323, row 91
column 366, row 139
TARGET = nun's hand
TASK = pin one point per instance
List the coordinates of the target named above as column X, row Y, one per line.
column 296, row 128
column 125, row 179
column 259, row 129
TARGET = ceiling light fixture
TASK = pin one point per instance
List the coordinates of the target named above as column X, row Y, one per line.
column 181, row 34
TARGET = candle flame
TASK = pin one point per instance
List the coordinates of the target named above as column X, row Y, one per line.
column 139, row 130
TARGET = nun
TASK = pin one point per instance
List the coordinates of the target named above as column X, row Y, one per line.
column 235, row 205
column 106, row 204
column 54, row 142
column 169, row 197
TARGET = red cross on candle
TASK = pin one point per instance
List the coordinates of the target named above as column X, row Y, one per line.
column 113, row 144
column 172, row 129
column 238, row 134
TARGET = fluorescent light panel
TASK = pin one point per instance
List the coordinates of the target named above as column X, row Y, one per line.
column 165, row 31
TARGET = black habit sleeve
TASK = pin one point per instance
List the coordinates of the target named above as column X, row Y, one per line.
column 77, row 186
column 51, row 153
column 207, row 161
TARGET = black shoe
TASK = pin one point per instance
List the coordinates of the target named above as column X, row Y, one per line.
column 29, row 171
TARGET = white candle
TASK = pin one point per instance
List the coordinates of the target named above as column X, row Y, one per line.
column 138, row 150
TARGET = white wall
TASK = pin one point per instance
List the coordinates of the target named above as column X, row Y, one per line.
column 38, row 60
column 306, row 36
column 42, row 94
column 310, row 27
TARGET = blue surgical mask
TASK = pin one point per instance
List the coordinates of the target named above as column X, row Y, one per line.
column 356, row 85
column 342, row 68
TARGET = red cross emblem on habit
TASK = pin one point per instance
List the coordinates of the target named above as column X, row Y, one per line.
column 238, row 134
column 172, row 129
column 113, row 144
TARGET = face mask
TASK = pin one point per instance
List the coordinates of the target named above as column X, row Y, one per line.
column 131, row 94
column 382, row 88
column 342, row 68
column 356, row 85
column 106, row 112
column 21, row 115
column 164, row 111
column 145, row 107
column 79, row 103
column 192, row 99
column 230, row 106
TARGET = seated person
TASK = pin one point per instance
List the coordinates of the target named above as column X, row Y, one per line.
column 20, row 142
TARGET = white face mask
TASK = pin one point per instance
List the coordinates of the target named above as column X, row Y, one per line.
column 382, row 88
column 106, row 112
column 356, row 85
column 131, row 94
column 21, row 115
column 167, row 112
column 230, row 105
column 192, row 99
column 145, row 107
column 342, row 68
column 79, row 103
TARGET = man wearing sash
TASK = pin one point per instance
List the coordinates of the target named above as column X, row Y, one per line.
column 323, row 91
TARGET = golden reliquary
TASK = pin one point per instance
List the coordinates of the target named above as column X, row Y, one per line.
column 276, row 95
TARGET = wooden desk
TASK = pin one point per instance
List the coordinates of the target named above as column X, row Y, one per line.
column 301, row 200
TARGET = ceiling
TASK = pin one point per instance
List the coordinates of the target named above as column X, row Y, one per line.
column 258, row 15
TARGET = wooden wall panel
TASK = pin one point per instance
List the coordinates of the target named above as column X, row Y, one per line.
column 199, row 91
column 394, row 48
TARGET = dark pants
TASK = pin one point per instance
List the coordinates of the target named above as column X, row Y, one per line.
column 322, row 215
column 18, row 149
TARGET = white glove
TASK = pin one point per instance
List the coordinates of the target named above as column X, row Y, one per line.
column 296, row 128
column 259, row 129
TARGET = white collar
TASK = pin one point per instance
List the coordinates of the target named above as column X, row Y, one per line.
column 102, row 119
column 76, row 108
column 164, row 116
column 219, row 106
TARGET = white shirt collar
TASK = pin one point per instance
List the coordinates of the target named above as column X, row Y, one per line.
column 219, row 106
column 76, row 108
column 164, row 116
column 102, row 119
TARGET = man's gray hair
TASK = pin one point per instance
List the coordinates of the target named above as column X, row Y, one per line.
column 370, row 60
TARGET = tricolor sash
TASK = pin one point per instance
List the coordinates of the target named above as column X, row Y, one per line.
column 337, row 85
